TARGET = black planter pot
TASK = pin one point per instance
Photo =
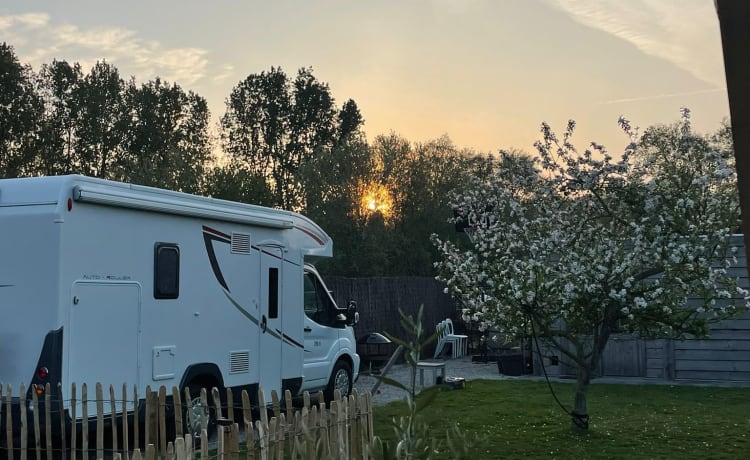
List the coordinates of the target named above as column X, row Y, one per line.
column 510, row 364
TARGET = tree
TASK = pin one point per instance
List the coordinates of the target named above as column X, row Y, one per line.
column 58, row 84
column 417, row 178
column 20, row 113
column 100, row 122
column 166, row 142
column 430, row 172
column 332, row 196
column 592, row 246
column 350, row 122
column 235, row 183
column 274, row 125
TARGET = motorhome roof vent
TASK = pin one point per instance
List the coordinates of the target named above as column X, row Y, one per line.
column 240, row 243
column 239, row 362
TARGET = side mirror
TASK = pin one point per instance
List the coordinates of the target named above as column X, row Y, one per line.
column 352, row 315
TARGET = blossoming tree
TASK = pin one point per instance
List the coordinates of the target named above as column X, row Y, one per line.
column 587, row 245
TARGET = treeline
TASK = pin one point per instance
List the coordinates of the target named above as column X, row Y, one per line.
column 282, row 142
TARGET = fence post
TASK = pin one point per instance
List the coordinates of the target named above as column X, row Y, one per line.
column 204, row 442
column 341, row 426
column 189, row 454
column 161, row 435
column 179, row 447
column 224, row 434
column 370, row 427
column 289, row 404
column 217, row 403
column 148, row 422
column 314, row 430
column 150, row 452
column 308, row 429
column 275, row 403
column 113, row 418
column 37, row 434
column 295, row 437
column 8, row 421
column 2, row 399
column 235, row 441
column 262, row 440
column 24, row 425
column 48, row 420
column 74, row 424
column 61, row 411
column 125, row 450
column 272, row 442
column 333, row 436
column 262, row 409
column 84, row 421
column 178, row 423
column 205, row 413
column 248, row 420
column 136, row 419
column 230, row 405
column 189, row 410
column 352, row 438
column 99, row 421
column 324, row 432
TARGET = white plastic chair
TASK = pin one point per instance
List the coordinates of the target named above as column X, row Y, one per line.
column 459, row 343
column 442, row 331
column 463, row 340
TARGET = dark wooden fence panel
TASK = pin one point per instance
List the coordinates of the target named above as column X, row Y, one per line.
column 724, row 355
column 379, row 300
column 624, row 357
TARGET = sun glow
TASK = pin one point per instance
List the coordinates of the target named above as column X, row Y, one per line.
column 376, row 199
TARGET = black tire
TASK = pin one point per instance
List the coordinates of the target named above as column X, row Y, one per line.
column 197, row 409
column 341, row 379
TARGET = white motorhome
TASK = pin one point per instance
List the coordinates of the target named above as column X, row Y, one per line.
column 108, row 282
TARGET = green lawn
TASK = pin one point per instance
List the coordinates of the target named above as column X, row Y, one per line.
column 521, row 419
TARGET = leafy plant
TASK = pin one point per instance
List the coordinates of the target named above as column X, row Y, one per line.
column 414, row 439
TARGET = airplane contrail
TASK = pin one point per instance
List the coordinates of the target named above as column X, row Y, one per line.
column 664, row 96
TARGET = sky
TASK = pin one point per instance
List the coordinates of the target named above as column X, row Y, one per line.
column 486, row 73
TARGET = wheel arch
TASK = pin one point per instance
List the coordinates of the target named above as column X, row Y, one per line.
column 205, row 374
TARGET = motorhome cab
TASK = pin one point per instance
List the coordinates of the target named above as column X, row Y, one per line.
column 115, row 283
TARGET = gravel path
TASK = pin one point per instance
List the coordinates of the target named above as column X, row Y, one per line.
column 462, row 367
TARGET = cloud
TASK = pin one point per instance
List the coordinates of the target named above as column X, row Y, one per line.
column 25, row 21
column 683, row 32
column 225, row 72
column 664, row 96
column 38, row 41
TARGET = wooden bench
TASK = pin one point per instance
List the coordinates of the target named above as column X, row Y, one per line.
column 433, row 366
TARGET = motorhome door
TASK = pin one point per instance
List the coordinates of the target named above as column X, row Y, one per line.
column 103, row 338
column 269, row 357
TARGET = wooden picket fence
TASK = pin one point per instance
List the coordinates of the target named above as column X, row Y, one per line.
column 339, row 429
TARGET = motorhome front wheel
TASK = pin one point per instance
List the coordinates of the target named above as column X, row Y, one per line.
column 341, row 379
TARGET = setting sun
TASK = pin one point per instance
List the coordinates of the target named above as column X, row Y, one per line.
column 376, row 198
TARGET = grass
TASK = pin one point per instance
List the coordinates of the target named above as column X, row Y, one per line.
column 520, row 419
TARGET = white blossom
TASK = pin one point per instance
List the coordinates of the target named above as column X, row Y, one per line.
column 591, row 234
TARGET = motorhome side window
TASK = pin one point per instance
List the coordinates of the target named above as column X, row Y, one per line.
column 317, row 303
column 273, row 292
column 166, row 271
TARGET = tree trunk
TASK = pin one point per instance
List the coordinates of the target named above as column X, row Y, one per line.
column 580, row 415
